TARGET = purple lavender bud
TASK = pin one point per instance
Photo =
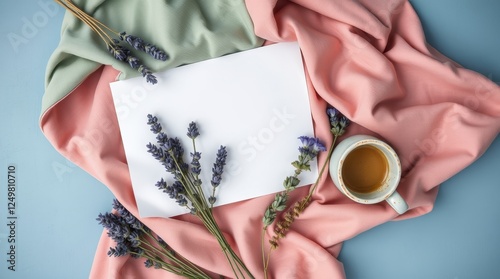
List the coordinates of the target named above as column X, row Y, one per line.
column 152, row 119
column 126, row 216
column 148, row 263
column 151, row 78
column 162, row 242
column 178, row 188
column 156, row 128
column 161, row 185
column 193, row 130
column 134, row 41
column 138, row 252
column 174, row 146
column 310, row 146
column 338, row 122
column 133, row 62
column 333, row 114
column 182, row 201
column 122, row 35
column 167, row 144
column 155, row 52
column 138, row 44
column 169, row 164
column 119, row 52
column 148, row 74
column 195, row 163
column 154, row 124
column 162, row 139
column 134, row 239
column 156, row 152
column 120, row 250
column 218, row 167
column 344, row 122
column 117, row 228
column 212, row 200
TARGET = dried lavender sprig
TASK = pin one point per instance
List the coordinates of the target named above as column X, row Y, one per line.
column 139, row 44
column 123, row 54
column 154, row 124
column 217, row 170
column 156, row 53
column 193, row 131
column 168, row 151
column 283, row 225
column 195, row 163
column 338, row 126
column 134, row 41
column 119, row 52
column 307, row 151
column 175, row 191
column 148, row 74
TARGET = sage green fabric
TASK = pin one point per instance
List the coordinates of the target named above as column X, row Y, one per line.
column 188, row 30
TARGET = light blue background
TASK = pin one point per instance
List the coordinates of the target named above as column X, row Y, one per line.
column 57, row 202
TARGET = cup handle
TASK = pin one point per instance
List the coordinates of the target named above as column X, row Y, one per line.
column 396, row 201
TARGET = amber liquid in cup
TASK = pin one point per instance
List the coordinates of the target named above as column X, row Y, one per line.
column 365, row 169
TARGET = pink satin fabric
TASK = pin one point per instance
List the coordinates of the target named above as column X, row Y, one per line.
column 367, row 58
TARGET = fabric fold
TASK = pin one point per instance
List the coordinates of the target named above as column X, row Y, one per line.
column 367, row 58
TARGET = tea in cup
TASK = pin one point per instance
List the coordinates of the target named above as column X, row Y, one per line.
column 367, row 170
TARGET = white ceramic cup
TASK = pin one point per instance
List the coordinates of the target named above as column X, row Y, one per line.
column 387, row 191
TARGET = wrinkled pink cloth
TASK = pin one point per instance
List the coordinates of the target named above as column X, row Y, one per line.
column 367, row 58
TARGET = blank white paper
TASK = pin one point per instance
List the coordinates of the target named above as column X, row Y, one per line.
column 254, row 102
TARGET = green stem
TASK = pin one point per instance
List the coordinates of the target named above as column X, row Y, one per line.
column 265, row 260
column 197, row 198
column 90, row 21
column 183, row 262
column 313, row 188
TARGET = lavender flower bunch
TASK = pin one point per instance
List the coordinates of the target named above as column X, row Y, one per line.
column 186, row 187
column 307, row 152
column 133, row 238
column 113, row 45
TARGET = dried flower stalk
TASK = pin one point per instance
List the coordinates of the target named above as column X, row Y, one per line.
column 338, row 124
column 118, row 51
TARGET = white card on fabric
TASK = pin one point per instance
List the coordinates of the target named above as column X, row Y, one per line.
column 254, row 102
